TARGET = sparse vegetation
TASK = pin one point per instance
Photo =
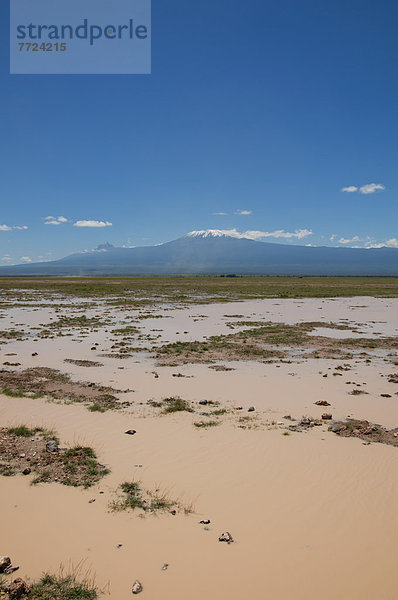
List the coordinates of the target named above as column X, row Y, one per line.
column 176, row 404
column 24, row 450
column 150, row 501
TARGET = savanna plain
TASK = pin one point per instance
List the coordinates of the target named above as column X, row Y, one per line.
column 220, row 437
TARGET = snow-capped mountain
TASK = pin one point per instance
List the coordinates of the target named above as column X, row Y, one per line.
column 215, row 252
column 213, row 233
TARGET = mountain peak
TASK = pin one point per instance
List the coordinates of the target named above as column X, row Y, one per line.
column 106, row 246
column 209, row 233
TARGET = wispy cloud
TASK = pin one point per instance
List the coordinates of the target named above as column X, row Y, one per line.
column 369, row 188
column 6, row 258
column 92, row 224
column 54, row 220
column 243, row 212
column 350, row 188
column 352, row 240
column 391, row 243
column 368, row 242
column 220, row 214
column 11, row 227
column 25, row 259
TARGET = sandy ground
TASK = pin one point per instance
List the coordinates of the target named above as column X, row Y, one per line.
column 312, row 515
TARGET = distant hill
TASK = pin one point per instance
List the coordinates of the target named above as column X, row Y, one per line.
column 212, row 252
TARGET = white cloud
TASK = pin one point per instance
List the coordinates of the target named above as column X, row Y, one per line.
column 350, row 241
column 243, row 212
column 391, row 243
column 371, row 188
column 54, row 220
column 25, row 259
column 92, row 224
column 10, row 228
column 350, row 188
column 332, row 237
column 220, row 214
column 6, row 258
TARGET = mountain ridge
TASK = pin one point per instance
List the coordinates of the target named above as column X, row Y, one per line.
column 215, row 252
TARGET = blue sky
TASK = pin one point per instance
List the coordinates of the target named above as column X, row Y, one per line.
column 263, row 110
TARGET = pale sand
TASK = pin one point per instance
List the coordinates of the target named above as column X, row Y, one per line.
column 313, row 516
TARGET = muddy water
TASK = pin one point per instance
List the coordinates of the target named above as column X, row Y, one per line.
column 313, row 515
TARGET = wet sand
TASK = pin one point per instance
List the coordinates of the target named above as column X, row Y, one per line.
column 312, row 515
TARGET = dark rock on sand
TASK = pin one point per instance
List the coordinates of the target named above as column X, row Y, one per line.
column 226, row 537
column 52, row 446
column 130, row 432
column 18, row 588
column 137, row 587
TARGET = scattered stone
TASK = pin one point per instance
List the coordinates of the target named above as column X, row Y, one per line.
column 130, row 432
column 26, row 471
column 251, row 409
column 173, row 512
column 137, row 587
column 386, row 395
column 322, row 403
column 35, row 354
column 203, row 402
column 327, row 416
column 91, row 501
column 205, row 522
column 52, row 446
column 165, row 567
column 5, row 563
column 366, row 431
column 18, row 589
column 226, row 537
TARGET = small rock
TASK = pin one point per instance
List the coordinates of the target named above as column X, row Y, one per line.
column 130, row 432
column 26, row 471
column 327, row 416
column 305, row 421
column 322, row 403
column 165, row 567
column 173, row 512
column 137, row 587
column 91, row 501
column 205, row 522
column 386, row 395
column 52, row 446
column 18, row 589
column 251, row 409
column 226, row 537
column 35, row 354
column 5, row 563
column 203, row 402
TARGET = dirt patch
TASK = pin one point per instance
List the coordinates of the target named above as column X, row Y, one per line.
column 43, row 381
column 84, row 363
column 364, row 430
column 36, row 451
column 269, row 341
